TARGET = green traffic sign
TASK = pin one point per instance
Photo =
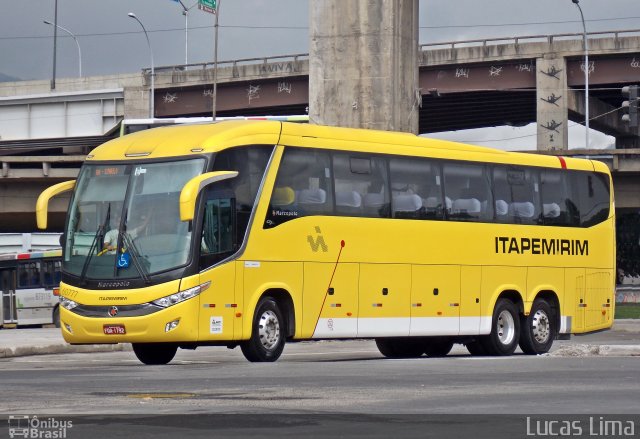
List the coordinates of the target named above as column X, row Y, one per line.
column 208, row 5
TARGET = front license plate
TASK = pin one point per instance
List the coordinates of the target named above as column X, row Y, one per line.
column 114, row 329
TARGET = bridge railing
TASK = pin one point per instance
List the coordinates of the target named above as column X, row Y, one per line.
column 528, row 38
column 484, row 42
column 233, row 63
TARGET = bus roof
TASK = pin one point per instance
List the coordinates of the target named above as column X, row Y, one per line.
column 183, row 140
column 31, row 255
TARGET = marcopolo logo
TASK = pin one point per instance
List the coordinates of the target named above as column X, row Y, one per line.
column 33, row 427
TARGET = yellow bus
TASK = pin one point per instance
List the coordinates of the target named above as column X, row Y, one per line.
column 250, row 234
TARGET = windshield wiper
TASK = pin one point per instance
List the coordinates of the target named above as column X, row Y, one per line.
column 135, row 257
column 94, row 246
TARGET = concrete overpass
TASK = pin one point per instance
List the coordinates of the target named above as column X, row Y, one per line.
column 462, row 85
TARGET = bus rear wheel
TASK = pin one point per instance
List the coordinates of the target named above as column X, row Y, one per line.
column 267, row 336
column 475, row 348
column 538, row 329
column 153, row 354
column 400, row 347
column 438, row 348
column 505, row 329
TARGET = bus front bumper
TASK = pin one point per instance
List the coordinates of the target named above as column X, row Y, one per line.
column 177, row 323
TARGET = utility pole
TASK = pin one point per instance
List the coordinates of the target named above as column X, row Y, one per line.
column 55, row 39
column 215, row 60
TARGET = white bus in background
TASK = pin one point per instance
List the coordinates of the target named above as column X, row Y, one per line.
column 129, row 126
column 29, row 285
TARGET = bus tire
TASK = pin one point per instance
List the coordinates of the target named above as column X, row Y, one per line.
column 56, row 316
column 537, row 329
column 505, row 329
column 267, row 335
column 154, row 354
column 475, row 348
column 400, row 347
column 438, row 348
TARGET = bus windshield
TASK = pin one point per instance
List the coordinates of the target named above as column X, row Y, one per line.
column 125, row 221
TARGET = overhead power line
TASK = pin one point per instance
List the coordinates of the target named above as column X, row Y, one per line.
column 231, row 26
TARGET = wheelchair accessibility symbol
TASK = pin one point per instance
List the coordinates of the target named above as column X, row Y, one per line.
column 123, row 260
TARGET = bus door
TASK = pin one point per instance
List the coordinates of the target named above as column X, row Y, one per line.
column 34, row 304
column 219, row 303
column 435, row 300
column 8, row 288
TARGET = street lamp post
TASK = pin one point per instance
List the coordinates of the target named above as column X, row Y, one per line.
column 77, row 44
column 215, row 63
column 586, row 74
column 153, row 73
column 185, row 12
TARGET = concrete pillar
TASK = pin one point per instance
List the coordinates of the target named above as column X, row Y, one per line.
column 363, row 64
column 551, row 97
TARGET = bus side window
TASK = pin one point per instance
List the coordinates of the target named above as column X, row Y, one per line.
column 218, row 239
column 361, row 186
column 590, row 192
column 302, row 187
column 555, row 191
column 416, row 192
column 29, row 275
column 516, row 192
column 467, row 185
column 48, row 273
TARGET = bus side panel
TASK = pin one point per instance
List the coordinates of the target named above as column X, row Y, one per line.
column 34, row 306
column 495, row 280
column 330, row 309
column 574, row 299
column 544, row 279
column 435, row 300
column 599, row 298
column 470, row 307
column 218, row 304
column 261, row 276
column 384, row 295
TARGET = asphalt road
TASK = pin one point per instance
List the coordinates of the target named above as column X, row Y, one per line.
column 334, row 377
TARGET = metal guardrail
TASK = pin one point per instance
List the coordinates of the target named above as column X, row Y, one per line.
column 516, row 40
column 449, row 44
column 589, row 152
column 42, row 164
column 233, row 63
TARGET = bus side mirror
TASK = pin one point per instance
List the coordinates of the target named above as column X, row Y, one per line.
column 190, row 191
column 42, row 205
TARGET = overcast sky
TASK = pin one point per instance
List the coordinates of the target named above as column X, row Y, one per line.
column 112, row 42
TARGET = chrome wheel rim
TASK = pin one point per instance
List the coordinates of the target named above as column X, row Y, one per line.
column 269, row 330
column 540, row 326
column 506, row 327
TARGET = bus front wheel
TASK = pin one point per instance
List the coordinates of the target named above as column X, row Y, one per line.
column 538, row 329
column 56, row 316
column 155, row 353
column 505, row 329
column 267, row 335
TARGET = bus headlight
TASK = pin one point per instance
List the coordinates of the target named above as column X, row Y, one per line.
column 180, row 296
column 67, row 303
